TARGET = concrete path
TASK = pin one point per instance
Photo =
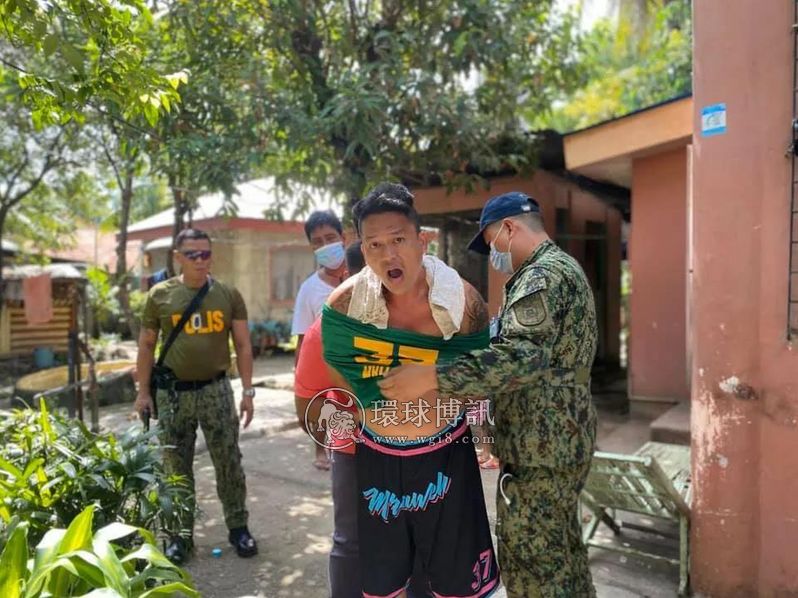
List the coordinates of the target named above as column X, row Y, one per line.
column 291, row 507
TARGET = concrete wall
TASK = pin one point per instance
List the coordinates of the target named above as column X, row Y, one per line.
column 242, row 258
column 551, row 192
column 745, row 373
column 658, row 263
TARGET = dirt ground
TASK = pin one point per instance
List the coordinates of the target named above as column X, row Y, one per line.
column 291, row 506
column 291, row 515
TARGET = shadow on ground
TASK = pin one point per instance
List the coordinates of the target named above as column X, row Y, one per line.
column 291, row 515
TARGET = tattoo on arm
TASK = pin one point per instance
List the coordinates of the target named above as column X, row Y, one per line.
column 476, row 312
column 342, row 301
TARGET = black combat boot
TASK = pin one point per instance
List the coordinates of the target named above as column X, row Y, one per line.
column 243, row 542
column 178, row 550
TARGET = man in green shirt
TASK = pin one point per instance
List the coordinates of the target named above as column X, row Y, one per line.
column 537, row 373
column 200, row 392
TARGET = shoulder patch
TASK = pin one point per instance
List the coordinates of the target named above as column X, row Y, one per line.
column 530, row 310
column 525, row 287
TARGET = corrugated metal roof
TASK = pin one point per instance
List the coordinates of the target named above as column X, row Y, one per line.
column 57, row 272
column 253, row 199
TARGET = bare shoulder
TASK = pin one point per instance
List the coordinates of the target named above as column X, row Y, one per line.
column 341, row 297
column 476, row 315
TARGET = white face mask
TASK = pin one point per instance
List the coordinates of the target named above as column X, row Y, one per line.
column 502, row 261
column 331, row 256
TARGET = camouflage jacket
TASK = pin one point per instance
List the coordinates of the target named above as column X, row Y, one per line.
column 537, row 371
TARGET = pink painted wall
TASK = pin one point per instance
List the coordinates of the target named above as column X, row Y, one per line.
column 657, row 259
column 745, row 373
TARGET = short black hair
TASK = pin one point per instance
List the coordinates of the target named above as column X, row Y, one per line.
column 532, row 220
column 322, row 218
column 384, row 198
column 355, row 261
column 191, row 234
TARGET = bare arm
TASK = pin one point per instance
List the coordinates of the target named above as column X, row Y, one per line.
column 144, row 362
column 476, row 316
column 243, row 351
column 244, row 357
column 337, row 379
column 341, row 297
column 299, row 339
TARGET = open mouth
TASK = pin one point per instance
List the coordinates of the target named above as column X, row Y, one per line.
column 395, row 274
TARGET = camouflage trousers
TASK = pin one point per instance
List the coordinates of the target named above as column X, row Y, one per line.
column 212, row 407
column 541, row 553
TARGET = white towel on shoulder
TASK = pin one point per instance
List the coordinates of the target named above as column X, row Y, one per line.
column 446, row 297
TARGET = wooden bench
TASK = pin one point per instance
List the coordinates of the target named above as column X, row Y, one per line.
column 654, row 482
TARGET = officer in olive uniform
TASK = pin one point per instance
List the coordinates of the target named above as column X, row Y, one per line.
column 198, row 392
column 537, row 374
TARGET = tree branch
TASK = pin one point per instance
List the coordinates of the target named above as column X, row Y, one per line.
column 112, row 162
column 49, row 163
column 353, row 21
column 12, row 181
column 13, row 66
column 97, row 107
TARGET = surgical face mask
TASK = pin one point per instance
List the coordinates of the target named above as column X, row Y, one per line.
column 502, row 261
column 331, row 256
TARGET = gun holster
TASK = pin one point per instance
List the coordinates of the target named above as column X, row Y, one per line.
column 161, row 377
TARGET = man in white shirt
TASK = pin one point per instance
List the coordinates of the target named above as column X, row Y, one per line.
column 325, row 235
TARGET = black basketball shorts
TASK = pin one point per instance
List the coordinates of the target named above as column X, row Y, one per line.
column 424, row 498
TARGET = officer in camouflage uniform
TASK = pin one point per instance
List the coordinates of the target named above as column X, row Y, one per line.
column 200, row 392
column 537, row 374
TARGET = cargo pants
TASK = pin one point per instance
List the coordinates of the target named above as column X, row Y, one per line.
column 212, row 407
column 541, row 553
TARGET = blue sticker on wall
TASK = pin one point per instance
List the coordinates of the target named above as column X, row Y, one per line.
column 713, row 120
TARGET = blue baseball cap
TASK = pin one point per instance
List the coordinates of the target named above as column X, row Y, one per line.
column 499, row 208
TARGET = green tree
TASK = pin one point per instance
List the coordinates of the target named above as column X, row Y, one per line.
column 29, row 160
column 212, row 139
column 122, row 153
column 337, row 95
column 74, row 55
column 426, row 92
column 151, row 196
column 624, row 70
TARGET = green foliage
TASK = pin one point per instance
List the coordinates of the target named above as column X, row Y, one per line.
column 336, row 95
column 102, row 295
column 352, row 93
column 151, row 197
column 77, row 561
column 137, row 302
column 45, row 182
column 625, row 68
column 267, row 334
column 80, row 54
column 214, row 138
column 51, row 468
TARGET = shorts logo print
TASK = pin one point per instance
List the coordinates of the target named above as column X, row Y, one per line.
column 387, row 504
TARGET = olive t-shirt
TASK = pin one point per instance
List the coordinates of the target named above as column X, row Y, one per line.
column 202, row 349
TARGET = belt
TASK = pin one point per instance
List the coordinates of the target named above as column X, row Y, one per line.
column 182, row 385
column 566, row 377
